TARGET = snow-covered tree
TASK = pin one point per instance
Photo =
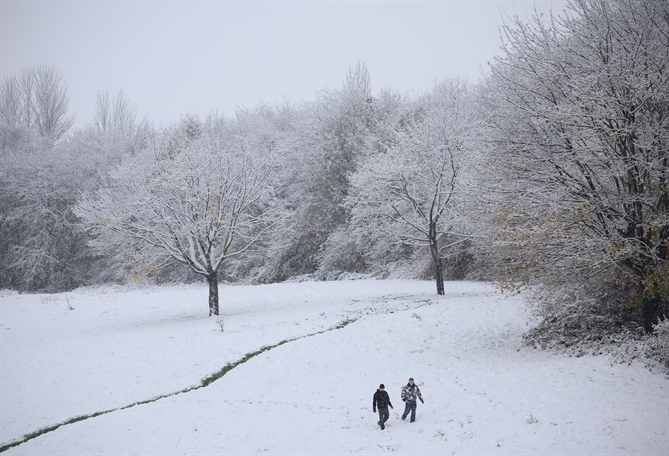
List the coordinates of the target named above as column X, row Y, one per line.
column 41, row 245
column 333, row 139
column 415, row 192
column 208, row 200
column 39, row 238
column 581, row 150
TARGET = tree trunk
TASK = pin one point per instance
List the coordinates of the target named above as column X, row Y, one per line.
column 213, row 293
column 650, row 313
column 438, row 270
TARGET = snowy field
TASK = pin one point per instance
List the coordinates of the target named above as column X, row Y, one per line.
column 484, row 392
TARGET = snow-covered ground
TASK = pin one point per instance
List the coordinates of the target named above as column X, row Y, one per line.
column 484, row 392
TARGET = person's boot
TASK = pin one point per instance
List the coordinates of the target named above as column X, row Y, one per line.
column 383, row 426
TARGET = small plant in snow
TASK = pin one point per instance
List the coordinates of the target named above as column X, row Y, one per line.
column 531, row 419
column 69, row 306
column 415, row 315
column 221, row 323
column 658, row 343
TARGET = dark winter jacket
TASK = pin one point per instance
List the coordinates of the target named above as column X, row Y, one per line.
column 381, row 399
column 410, row 393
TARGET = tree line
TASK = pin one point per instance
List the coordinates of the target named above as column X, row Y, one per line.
column 548, row 174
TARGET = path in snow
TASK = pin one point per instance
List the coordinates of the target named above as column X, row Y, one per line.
column 484, row 393
column 120, row 347
column 205, row 382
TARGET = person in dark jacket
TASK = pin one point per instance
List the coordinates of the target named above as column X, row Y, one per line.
column 382, row 401
column 410, row 393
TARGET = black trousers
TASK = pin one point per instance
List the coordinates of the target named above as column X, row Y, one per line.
column 384, row 414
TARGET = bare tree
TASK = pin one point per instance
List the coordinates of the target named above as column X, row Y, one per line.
column 51, row 103
column 11, row 105
column 358, row 82
column 114, row 114
column 37, row 98
column 414, row 193
column 201, row 205
column 581, row 142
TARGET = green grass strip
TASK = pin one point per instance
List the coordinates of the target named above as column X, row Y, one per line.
column 203, row 383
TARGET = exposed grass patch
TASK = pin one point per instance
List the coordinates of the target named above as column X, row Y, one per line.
column 215, row 376
column 39, row 432
column 205, row 382
column 345, row 323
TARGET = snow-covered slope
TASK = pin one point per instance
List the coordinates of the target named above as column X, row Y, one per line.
column 484, row 392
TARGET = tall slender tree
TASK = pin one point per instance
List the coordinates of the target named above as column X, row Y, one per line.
column 335, row 139
column 414, row 194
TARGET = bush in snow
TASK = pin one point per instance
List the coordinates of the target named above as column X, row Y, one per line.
column 580, row 330
column 658, row 343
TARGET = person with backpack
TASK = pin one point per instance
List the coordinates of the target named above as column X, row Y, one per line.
column 382, row 401
column 410, row 393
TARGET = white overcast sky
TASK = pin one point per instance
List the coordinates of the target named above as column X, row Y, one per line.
column 173, row 58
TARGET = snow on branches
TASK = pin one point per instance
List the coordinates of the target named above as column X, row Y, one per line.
column 207, row 199
column 415, row 193
column 581, row 150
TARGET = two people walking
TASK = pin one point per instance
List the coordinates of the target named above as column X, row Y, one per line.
column 410, row 394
